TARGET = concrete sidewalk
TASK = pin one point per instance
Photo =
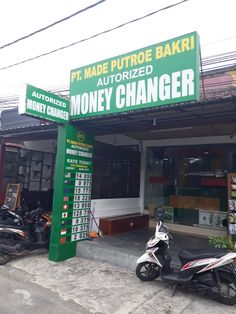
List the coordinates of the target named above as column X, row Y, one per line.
column 35, row 285
column 123, row 249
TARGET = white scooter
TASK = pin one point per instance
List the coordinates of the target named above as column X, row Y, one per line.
column 212, row 271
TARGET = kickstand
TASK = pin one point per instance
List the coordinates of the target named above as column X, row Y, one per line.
column 174, row 289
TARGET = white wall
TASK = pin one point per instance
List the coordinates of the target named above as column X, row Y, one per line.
column 117, row 139
column 113, row 207
column 43, row 145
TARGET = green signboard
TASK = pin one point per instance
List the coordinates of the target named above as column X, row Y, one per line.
column 39, row 103
column 158, row 75
column 72, row 192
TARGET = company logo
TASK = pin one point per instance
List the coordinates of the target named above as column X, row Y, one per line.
column 80, row 136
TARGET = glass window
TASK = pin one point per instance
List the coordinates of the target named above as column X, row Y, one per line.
column 191, row 179
column 116, row 171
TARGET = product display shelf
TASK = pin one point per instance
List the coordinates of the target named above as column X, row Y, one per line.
column 231, row 183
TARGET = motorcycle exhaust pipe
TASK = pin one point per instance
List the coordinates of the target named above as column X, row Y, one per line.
column 12, row 250
column 7, row 249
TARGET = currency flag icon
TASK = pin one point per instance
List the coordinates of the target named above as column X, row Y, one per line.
column 68, row 175
column 65, row 207
column 63, row 240
column 64, row 215
column 66, row 198
column 63, row 231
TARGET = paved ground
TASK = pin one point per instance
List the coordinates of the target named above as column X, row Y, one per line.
column 123, row 249
column 35, row 285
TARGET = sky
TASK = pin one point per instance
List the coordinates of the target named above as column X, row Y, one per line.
column 214, row 20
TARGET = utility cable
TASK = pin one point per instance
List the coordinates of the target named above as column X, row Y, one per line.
column 219, row 41
column 51, row 25
column 95, row 35
column 220, row 55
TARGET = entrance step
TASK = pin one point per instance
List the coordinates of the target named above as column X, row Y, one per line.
column 94, row 251
column 125, row 248
column 121, row 256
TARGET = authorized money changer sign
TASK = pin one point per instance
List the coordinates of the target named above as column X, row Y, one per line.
column 158, row 75
column 72, row 192
column 42, row 104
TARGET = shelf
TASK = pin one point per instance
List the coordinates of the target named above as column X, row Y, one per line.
column 231, row 184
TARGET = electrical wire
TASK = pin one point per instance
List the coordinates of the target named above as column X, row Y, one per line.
column 51, row 25
column 219, row 41
column 95, row 35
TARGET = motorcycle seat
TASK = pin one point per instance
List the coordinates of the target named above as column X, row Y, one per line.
column 188, row 255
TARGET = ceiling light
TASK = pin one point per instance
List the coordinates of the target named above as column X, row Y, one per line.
column 172, row 129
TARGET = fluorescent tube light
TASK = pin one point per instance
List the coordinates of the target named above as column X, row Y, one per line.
column 172, row 129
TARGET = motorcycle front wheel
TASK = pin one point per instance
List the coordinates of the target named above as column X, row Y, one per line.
column 227, row 287
column 147, row 271
column 4, row 258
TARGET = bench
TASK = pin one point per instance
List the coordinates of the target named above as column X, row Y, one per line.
column 123, row 223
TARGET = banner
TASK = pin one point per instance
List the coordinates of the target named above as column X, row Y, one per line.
column 42, row 104
column 158, row 75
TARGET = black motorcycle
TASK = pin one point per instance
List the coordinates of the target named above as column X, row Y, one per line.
column 212, row 271
column 16, row 241
column 16, row 217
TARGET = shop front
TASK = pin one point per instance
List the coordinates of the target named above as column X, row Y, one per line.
column 33, row 170
column 138, row 137
column 190, row 183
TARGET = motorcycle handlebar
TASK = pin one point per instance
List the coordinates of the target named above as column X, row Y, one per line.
column 5, row 207
column 37, row 212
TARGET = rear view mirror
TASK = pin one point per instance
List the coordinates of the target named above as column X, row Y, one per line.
column 160, row 213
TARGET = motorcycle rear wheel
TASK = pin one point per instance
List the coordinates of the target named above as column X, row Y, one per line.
column 227, row 288
column 147, row 271
column 4, row 258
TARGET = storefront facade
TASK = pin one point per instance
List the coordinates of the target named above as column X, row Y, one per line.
column 175, row 155
column 190, row 182
column 134, row 176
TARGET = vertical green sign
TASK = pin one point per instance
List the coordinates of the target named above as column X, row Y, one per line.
column 72, row 192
